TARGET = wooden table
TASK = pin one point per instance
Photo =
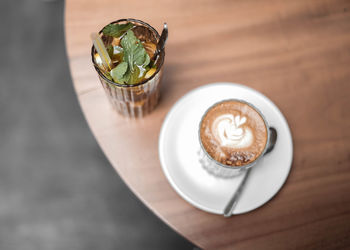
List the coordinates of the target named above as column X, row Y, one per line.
column 295, row 52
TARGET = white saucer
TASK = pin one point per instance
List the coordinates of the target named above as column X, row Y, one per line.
column 179, row 145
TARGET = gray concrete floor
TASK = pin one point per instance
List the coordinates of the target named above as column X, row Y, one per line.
column 57, row 190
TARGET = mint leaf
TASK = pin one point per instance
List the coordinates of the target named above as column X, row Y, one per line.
column 129, row 40
column 140, row 55
column 147, row 60
column 129, row 44
column 135, row 60
column 135, row 56
column 119, row 73
column 116, row 30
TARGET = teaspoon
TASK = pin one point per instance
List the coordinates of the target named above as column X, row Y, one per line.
column 233, row 201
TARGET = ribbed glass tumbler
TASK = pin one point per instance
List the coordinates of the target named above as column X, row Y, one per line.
column 134, row 101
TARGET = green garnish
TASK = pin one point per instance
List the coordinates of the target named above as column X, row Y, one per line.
column 135, row 60
column 119, row 72
column 116, row 30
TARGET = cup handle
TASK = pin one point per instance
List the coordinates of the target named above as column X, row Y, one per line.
column 272, row 140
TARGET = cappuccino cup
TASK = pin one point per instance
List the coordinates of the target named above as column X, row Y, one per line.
column 234, row 136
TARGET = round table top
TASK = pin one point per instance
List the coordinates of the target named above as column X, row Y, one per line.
column 295, row 52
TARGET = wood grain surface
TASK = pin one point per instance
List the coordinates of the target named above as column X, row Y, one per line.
column 295, row 52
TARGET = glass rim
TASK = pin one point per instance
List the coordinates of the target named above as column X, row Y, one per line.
column 161, row 55
column 266, row 126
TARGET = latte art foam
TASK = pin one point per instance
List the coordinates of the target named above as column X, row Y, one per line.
column 229, row 132
column 233, row 133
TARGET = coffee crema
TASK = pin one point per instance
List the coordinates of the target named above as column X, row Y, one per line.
column 233, row 133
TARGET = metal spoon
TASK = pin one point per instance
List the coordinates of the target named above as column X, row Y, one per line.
column 233, row 201
column 162, row 41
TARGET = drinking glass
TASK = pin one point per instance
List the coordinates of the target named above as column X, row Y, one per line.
column 135, row 100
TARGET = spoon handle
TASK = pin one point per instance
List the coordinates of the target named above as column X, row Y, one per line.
column 163, row 38
column 234, row 199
